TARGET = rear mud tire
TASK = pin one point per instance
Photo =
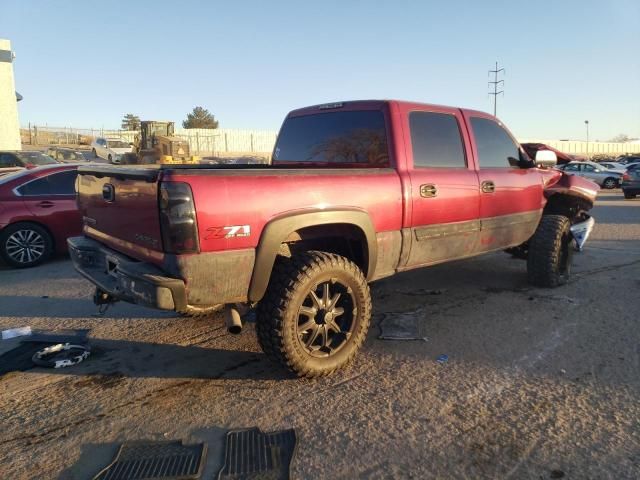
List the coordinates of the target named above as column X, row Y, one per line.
column 550, row 252
column 280, row 323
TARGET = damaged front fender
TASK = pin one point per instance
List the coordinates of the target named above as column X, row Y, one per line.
column 581, row 231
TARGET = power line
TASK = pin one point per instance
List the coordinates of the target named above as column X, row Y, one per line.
column 496, row 84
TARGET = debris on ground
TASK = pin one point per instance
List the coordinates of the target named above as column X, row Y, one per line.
column 61, row 355
column 16, row 332
column 400, row 326
column 442, row 358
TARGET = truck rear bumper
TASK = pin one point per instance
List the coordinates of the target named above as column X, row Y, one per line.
column 124, row 278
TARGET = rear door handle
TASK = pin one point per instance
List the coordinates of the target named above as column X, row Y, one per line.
column 46, row 204
column 428, row 190
column 488, row 186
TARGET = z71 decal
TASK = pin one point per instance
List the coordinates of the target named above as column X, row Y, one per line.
column 232, row 231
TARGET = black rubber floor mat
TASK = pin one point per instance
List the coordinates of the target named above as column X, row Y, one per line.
column 252, row 455
column 156, row 461
column 19, row 358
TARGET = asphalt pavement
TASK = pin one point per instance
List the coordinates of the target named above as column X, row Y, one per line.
column 538, row 383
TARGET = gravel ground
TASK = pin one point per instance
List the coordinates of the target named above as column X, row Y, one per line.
column 539, row 383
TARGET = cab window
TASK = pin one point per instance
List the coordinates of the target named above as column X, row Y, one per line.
column 496, row 149
column 436, row 140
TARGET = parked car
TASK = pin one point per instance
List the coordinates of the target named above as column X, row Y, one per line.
column 615, row 166
column 605, row 178
column 357, row 191
column 628, row 159
column 38, row 212
column 23, row 159
column 111, row 149
column 631, row 182
column 66, row 155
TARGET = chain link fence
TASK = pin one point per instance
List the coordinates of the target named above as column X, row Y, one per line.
column 203, row 142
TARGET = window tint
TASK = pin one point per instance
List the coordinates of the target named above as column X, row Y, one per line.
column 436, row 141
column 574, row 167
column 336, row 137
column 494, row 143
column 588, row 168
column 63, row 183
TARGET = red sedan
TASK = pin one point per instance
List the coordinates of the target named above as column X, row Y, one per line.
column 38, row 212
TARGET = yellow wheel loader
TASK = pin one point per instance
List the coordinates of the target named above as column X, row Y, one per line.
column 157, row 143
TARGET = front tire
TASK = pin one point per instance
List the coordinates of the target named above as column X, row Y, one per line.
column 550, row 252
column 609, row 183
column 315, row 314
column 24, row 245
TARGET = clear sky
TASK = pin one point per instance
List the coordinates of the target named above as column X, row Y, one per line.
column 86, row 63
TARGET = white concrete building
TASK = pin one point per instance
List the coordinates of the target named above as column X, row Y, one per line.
column 9, row 125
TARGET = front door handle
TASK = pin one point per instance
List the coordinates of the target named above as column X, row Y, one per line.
column 46, row 204
column 488, row 186
column 428, row 190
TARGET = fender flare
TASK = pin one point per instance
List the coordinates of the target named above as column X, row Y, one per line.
column 278, row 229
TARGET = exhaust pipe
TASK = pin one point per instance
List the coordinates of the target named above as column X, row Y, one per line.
column 232, row 320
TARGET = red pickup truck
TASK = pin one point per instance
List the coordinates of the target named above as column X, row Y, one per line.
column 356, row 191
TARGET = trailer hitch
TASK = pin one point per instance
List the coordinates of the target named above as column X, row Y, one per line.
column 103, row 300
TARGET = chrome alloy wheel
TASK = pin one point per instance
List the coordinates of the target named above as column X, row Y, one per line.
column 25, row 246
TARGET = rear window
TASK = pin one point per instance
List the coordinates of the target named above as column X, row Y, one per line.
column 35, row 158
column 63, row 183
column 117, row 144
column 338, row 138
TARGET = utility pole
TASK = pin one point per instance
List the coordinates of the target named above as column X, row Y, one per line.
column 586, row 122
column 496, row 84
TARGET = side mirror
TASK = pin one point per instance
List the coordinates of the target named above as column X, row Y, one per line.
column 546, row 158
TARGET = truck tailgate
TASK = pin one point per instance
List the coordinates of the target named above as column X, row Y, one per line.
column 119, row 207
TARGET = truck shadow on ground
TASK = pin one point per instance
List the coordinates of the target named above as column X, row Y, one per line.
column 113, row 361
column 28, row 306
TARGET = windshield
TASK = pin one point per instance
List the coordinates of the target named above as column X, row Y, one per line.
column 336, row 138
column 71, row 155
column 117, row 144
column 35, row 158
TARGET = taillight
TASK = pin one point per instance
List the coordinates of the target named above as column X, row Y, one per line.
column 626, row 177
column 178, row 218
